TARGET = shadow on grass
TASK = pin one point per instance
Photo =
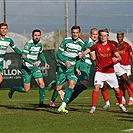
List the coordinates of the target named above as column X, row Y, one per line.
column 31, row 107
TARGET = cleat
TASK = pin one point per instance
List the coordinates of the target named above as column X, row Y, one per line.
column 52, row 104
column 61, row 94
column 123, row 108
column 62, row 109
column 50, row 85
column 10, row 93
column 68, row 108
column 106, row 106
column 130, row 102
column 92, row 110
column 42, row 106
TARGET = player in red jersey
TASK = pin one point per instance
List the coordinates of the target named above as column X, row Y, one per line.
column 127, row 56
column 105, row 52
column 125, row 51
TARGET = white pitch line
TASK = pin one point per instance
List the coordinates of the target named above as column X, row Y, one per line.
column 128, row 130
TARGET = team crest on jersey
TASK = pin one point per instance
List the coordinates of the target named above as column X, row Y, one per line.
column 108, row 49
column 99, row 49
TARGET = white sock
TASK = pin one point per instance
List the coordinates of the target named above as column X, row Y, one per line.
column 123, row 98
column 107, row 102
column 130, row 98
column 63, row 104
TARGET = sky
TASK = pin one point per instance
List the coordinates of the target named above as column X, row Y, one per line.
column 24, row 15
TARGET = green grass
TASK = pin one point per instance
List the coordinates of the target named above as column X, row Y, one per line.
column 21, row 115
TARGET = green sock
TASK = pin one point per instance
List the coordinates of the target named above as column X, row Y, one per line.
column 41, row 95
column 67, row 96
column 54, row 85
column 18, row 88
column 77, row 90
column 54, row 96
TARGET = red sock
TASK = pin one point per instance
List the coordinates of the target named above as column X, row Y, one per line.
column 129, row 92
column 105, row 95
column 94, row 98
column 131, row 87
column 119, row 96
column 122, row 88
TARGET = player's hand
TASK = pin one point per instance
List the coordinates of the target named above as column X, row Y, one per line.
column 114, row 59
column 78, row 71
column 80, row 55
column 35, row 64
column 68, row 64
column 47, row 66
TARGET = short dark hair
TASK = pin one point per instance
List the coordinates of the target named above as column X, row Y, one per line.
column 120, row 33
column 103, row 30
column 76, row 27
column 3, row 24
column 36, row 30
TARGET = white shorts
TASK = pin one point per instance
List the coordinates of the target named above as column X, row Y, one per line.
column 119, row 70
column 110, row 78
column 127, row 69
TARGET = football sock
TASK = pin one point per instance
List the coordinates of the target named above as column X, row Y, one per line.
column 105, row 95
column 54, row 85
column 67, row 95
column 119, row 96
column 77, row 90
column 54, row 96
column 41, row 95
column 94, row 98
column 18, row 88
column 131, row 87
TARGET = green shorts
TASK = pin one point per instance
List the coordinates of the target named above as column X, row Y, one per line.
column 85, row 71
column 1, row 67
column 65, row 74
column 27, row 72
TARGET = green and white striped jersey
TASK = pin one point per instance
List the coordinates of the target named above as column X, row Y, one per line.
column 32, row 51
column 69, row 50
column 88, row 43
column 4, row 43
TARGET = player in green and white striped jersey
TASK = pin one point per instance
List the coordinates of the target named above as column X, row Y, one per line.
column 5, row 41
column 32, row 50
column 67, row 56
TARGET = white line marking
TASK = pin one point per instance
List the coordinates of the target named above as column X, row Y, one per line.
column 128, row 130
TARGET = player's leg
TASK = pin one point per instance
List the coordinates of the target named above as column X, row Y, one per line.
column 26, row 77
column 42, row 89
column 82, row 84
column 104, row 92
column 113, row 82
column 98, row 81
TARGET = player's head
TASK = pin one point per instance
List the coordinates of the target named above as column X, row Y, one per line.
column 94, row 34
column 103, row 35
column 75, row 32
column 36, row 35
column 120, row 36
column 3, row 29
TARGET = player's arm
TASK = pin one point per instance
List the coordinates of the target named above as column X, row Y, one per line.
column 12, row 45
column 42, row 57
column 117, row 57
column 87, row 51
column 93, row 55
column 60, row 51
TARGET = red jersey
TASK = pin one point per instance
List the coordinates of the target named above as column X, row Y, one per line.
column 104, row 55
column 125, row 54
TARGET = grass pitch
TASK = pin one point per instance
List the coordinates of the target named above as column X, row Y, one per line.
column 21, row 115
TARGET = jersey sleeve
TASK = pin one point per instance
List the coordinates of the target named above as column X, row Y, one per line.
column 60, row 51
column 26, row 49
column 13, row 46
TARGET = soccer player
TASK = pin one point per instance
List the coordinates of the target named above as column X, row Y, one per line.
column 67, row 56
column 104, row 51
column 125, row 51
column 5, row 41
column 85, row 65
column 32, row 50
